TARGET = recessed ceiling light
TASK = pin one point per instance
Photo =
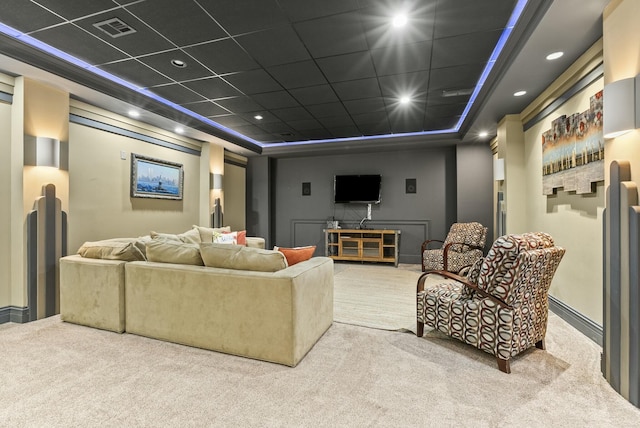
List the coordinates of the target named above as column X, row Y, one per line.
column 399, row 20
column 405, row 99
column 483, row 134
column 258, row 117
column 519, row 93
column 554, row 55
column 134, row 113
column 179, row 130
column 178, row 63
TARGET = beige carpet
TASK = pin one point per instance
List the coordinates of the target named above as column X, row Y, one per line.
column 55, row 374
column 377, row 296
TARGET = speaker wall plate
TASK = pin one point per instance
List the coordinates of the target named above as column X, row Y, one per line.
column 410, row 185
column 306, row 189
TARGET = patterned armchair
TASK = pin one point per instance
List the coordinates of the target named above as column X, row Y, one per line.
column 501, row 306
column 461, row 248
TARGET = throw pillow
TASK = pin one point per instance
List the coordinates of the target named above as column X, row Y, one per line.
column 238, row 238
column 112, row 249
column 242, row 258
column 168, row 251
column 297, row 254
column 206, row 233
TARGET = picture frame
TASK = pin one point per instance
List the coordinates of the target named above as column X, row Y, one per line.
column 155, row 178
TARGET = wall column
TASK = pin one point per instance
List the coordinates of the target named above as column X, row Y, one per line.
column 510, row 147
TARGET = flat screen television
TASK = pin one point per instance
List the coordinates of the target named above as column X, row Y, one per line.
column 358, row 189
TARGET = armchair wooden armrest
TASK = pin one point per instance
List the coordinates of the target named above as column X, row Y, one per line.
column 445, row 252
column 426, row 243
column 458, row 278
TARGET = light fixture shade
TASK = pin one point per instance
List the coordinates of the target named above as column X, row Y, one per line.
column 498, row 169
column 619, row 112
column 41, row 151
column 215, row 181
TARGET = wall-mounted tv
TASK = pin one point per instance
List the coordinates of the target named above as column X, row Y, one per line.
column 360, row 189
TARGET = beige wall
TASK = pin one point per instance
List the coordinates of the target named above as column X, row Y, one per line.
column 5, row 208
column 100, row 205
column 574, row 221
column 235, row 184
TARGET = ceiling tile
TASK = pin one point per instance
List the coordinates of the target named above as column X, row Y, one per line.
column 464, row 49
column 369, row 118
column 205, row 108
column 459, row 77
column 335, row 121
column 298, row 10
column 297, row 75
column 253, row 82
column 305, row 124
column 143, row 41
column 351, row 66
column 356, row 89
column 367, row 105
column 314, row 94
column 445, row 110
column 239, row 104
column 292, row 113
column 274, row 100
column 244, row 16
column 376, row 128
column 280, row 45
column 402, row 59
column 317, row 134
column 470, row 16
column 27, row 16
column 327, row 109
column 185, row 25
column 410, row 84
column 177, row 93
column 230, row 120
column 212, row 88
column 345, row 131
column 133, row 71
column 440, row 123
column 91, row 49
column 73, row 10
column 162, row 63
column 222, row 56
column 333, row 35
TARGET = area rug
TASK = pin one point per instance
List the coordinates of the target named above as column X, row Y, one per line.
column 376, row 296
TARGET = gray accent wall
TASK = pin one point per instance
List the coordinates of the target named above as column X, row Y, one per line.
column 452, row 184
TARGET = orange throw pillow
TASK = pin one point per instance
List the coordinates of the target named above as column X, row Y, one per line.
column 297, row 254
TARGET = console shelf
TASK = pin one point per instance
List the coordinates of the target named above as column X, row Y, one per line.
column 362, row 245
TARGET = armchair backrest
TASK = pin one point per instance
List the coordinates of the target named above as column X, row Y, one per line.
column 464, row 235
column 514, row 262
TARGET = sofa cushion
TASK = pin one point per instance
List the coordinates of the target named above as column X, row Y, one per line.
column 169, row 251
column 241, row 258
column 124, row 249
column 297, row 254
column 191, row 236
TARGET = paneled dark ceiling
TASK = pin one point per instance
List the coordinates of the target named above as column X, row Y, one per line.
column 311, row 69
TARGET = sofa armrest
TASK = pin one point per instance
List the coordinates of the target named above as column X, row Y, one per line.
column 255, row 242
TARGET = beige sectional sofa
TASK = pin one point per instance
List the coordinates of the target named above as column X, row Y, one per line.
column 271, row 316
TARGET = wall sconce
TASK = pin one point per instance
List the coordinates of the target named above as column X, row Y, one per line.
column 215, row 181
column 498, row 169
column 41, row 151
column 619, row 105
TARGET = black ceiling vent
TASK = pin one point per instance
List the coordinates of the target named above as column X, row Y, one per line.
column 114, row 27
